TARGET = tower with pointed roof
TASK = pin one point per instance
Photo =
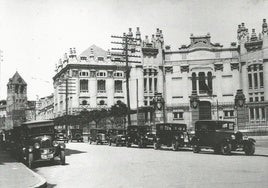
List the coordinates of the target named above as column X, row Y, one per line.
column 16, row 101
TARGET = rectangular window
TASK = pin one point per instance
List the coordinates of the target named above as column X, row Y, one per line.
column 263, row 113
column 261, row 79
column 262, row 98
column 175, row 115
column 83, row 86
column 155, row 84
column 101, row 86
column 118, row 86
column 250, row 99
column 231, row 113
column 251, row 112
column 145, row 84
column 256, row 99
column 255, row 80
column 257, row 113
column 150, row 85
column 249, row 81
column 180, row 115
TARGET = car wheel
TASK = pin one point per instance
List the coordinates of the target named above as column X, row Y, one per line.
column 156, row 146
column 62, row 157
column 30, row 160
column 226, row 148
column 196, row 148
column 116, row 143
column 128, row 144
column 249, row 148
column 140, row 144
column 175, row 146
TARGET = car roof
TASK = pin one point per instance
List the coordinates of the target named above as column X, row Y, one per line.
column 39, row 123
column 158, row 124
column 212, row 121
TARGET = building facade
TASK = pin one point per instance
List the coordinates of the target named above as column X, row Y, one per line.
column 196, row 81
column 45, row 108
column 88, row 81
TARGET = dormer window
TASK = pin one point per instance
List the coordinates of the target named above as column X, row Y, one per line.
column 100, row 58
column 83, row 58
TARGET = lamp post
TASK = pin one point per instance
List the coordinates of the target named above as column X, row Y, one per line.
column 239, row 102
column 159, row 104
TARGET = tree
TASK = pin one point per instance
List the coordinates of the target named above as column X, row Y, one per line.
column 119, row 112
column 98, row 115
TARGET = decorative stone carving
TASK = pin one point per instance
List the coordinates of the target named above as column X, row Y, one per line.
column 184, row 68
column 218, row 66
column 169, row 69
column 110, row 74
column 92, row 73
column 234, row 66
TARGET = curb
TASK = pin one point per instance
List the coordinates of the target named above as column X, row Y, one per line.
column 42, row 181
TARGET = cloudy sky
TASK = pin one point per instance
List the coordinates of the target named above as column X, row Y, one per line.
column 34, row 34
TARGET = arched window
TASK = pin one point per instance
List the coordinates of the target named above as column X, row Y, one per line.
column 84, row 102
column 194, row 81
column 210, row 81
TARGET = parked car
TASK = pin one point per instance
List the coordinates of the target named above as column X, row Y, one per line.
column 139, row 135
column 77, row 134
column 171, row 134
column 221, row 137
column 98, row 135
column 37, row 142
column 61, row 135
column 117, row 137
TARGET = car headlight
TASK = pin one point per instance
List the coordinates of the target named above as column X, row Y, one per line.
column 157, row 139
column 233, row 137
column 55, row 143
column 182, row 136
column 36, row 145
column 62, row 146
column 30, row 149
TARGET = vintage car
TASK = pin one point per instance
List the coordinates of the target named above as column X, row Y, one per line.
column 171, row 134
column 221, row 137
column 37, row 142
column 139, row 135
column 61, row 135
column 77, row 134
column 117, row 137
column 98, row 135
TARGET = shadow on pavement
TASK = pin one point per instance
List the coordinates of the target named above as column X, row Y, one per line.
column 49, row 185
column 5, row 157
column 233, row 154
column 69, row 152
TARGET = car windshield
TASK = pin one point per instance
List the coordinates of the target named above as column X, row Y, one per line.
column 41, row 130
column 227, row 126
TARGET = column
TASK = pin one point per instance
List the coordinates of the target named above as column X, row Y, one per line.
column 265, row 78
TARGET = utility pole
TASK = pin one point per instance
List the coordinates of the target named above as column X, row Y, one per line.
column 123, row 57
column 137, row 98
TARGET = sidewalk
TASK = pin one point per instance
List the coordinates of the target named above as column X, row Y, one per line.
column 15, row 174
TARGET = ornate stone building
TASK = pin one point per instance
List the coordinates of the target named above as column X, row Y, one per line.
column 88, row 81
column 196, row 81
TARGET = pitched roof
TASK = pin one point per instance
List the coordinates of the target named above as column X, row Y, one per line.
column 17, row 79
column 97, row 51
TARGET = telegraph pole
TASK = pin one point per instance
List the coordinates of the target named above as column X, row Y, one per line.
column 123, row 57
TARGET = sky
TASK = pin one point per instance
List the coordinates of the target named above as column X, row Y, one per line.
column 34, row 34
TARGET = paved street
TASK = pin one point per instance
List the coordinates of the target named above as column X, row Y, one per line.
column 105, row 166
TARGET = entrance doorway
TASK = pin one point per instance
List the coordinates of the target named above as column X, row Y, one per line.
column 204, row 110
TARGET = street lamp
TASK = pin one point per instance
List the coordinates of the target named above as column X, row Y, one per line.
column 239, row 103
column 159, row 104
column 194, row 101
